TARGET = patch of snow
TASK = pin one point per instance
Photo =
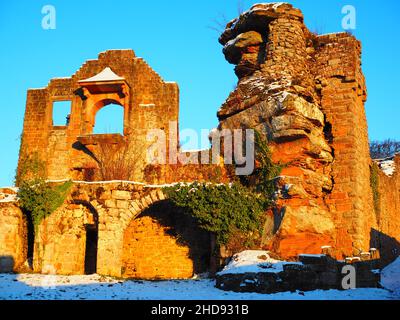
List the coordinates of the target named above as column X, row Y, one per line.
column 253, row 261
column 274, row 86
column 281, row 96
column 106, row 75
column 152, row 186
column 97, row 182
column 122, row 181
column 8, row 197
column 390, row 277
column 39, row 88
column 276, row 5
column 332, row 33
column 387, row 166
column 312, row 255
column 195, row 150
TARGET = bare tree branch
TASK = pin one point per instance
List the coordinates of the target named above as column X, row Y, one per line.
column 384, row 149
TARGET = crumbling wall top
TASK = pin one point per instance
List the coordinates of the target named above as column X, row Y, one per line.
column 257, row 17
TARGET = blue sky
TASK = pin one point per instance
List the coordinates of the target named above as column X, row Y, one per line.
column 175, row 39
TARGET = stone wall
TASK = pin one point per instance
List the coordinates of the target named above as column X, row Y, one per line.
column 13, row 237
column 312, row 272
column 304, row 92
column 148, row 102
column 162, row 243
column 343, row 96
column 60, row 240
column 386, row 237
column 137, row 234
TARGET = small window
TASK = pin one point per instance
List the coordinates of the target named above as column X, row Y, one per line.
column 61, row 113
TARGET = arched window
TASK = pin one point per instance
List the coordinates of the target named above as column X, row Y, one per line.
column 109, row 119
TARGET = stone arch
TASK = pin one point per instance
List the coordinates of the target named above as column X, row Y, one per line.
column 61, row 239
column 161, row 242
column 111, row 115
column 135, row 207
column 115, row 214
column 101, row 103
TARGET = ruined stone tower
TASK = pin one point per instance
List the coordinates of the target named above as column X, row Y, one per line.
column 306, row 93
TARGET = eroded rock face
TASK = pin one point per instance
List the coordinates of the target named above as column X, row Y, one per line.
column 305, row 94
column 270, row 98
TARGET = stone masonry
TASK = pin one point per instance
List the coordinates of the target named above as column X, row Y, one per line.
column 304, row 92
column 135, row 238
column 70, row 151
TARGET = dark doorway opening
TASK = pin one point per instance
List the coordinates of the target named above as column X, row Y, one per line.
column 30, row 237
column 91, row 249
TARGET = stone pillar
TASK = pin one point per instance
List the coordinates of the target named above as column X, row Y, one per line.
column 343, row 95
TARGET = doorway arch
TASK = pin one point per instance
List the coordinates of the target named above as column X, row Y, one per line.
column 164, row 243
column 62, row 239
column 109, row 119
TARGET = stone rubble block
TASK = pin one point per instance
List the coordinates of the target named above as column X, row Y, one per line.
column 313, row 272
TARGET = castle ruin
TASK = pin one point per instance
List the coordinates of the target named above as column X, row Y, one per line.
column 304, row 92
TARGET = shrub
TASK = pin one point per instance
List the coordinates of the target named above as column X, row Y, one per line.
column 39, row 199
column 116, row 162
column 231, row 209
column 221, row 209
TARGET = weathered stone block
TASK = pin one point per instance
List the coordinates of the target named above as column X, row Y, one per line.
column 121, row 195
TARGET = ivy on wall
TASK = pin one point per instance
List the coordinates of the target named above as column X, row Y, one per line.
column 220, row 209
column 265, row 171
column 37, row 197
column 374, row 182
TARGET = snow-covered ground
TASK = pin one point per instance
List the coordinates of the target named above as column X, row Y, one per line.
column 95, row 287
column 40, row 287
column 391, row 277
